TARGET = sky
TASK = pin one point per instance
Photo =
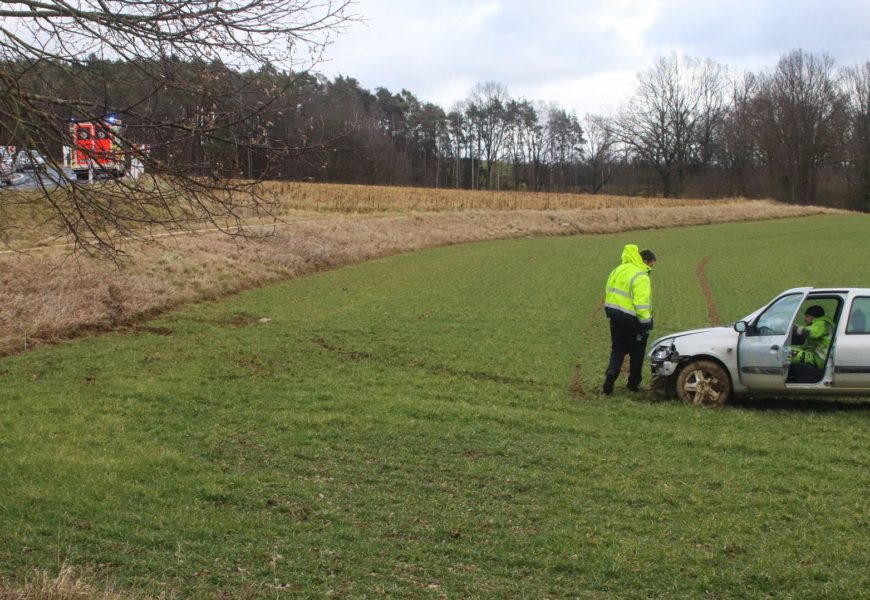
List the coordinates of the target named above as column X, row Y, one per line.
column 583, row 55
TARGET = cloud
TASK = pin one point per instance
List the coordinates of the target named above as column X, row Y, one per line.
column 580, row 53
column 755, row 34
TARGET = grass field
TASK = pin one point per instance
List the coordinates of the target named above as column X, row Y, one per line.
column 427, row 425
column 46, row 295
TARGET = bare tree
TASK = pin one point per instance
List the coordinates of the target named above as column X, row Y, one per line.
column 711, row 81
column 799, row 122
column 659, row 124
column 490, row 100
column 170, row 69
column 598, row 151
column 858, row 147
column 738, row 151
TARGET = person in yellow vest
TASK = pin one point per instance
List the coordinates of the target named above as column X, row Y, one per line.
column 809, row 359
column 628, row 305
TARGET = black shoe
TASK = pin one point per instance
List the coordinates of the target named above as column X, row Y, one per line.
column 607, row 388
column 635, row 390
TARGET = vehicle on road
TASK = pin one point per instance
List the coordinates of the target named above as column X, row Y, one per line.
column 29, row 160
column 96, row 150
column 752, row 357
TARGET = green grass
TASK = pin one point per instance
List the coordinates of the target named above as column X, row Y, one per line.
column 404, row 428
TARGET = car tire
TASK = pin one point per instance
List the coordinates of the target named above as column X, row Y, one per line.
column 703, row 382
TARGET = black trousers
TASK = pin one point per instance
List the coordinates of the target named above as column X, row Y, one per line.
column 627, row 336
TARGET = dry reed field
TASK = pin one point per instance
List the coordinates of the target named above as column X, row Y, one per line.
column 47, row 295
column 340, row 198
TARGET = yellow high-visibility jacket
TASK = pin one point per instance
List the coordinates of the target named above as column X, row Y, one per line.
column 629, row 289
column 815, row 349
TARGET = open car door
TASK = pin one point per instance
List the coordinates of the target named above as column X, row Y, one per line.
column 761, row 348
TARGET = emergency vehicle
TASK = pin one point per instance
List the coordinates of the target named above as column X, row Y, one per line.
column 96, row 151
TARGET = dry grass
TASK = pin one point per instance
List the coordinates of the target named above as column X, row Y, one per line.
column 47, row 296
column 371, row 199
column 65, row 586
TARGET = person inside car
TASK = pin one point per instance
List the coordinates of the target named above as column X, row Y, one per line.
column 808, row 359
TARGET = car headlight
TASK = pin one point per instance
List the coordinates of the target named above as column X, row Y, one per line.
column 663, row 350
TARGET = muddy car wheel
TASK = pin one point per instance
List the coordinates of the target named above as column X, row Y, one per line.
column 703, row 382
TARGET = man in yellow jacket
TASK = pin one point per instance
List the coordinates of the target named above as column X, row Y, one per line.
column 628, row 304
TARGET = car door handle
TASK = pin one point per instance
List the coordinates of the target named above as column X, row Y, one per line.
column 774, row 347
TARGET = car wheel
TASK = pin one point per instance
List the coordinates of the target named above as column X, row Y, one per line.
column 703, row 382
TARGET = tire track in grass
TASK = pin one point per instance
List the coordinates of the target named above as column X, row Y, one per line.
column 576, row 388
column 357, row 356
column 713, row 317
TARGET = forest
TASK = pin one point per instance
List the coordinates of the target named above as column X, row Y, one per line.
column 798, row 132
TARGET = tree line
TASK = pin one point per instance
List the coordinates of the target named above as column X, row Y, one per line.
column 799, row 132
column 224, row 98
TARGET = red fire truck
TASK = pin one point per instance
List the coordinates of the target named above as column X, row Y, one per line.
column 96, row 151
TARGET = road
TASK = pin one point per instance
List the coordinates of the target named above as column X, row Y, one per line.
column 33, row 179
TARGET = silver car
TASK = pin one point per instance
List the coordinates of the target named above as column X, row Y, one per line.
column 752, row 356
column 29, row 160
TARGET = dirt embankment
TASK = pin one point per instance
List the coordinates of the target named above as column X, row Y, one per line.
column 47, row 296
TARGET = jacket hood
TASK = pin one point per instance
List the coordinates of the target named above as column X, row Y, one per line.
column 631, row 254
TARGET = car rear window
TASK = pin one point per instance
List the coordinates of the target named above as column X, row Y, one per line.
column 859, row 314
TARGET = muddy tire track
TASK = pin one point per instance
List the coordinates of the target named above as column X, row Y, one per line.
column 576, row 388
column 713, row 317
column 433, row 369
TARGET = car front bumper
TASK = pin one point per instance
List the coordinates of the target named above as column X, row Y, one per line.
column 664, row 368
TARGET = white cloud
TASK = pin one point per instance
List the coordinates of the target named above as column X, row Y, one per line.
column 582, row 54
column 597, row 93
column 478, row 13
column 629, row 21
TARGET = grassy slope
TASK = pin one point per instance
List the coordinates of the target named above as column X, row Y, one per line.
column 404, row 427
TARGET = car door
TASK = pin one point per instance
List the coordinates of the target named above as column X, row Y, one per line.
column 852, row 350
column 761, row 356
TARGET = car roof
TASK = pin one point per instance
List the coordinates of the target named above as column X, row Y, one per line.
column 840, row 290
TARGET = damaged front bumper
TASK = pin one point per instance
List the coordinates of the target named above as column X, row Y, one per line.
column 664, row 362
column 664, row 358
column 665, row 368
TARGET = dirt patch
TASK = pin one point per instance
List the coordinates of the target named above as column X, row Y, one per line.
column 344, row 352
column 713, row 317
column 576, row 387
column 238, row 320
column 155, row 330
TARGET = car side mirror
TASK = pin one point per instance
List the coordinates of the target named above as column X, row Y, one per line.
column 740, row 326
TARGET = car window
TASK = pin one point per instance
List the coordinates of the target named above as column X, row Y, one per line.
column 859, row 313
column 777, row 317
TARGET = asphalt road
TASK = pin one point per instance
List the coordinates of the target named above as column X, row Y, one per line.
column 32, row 179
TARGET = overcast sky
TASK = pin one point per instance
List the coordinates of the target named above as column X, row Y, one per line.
column 581, row 54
